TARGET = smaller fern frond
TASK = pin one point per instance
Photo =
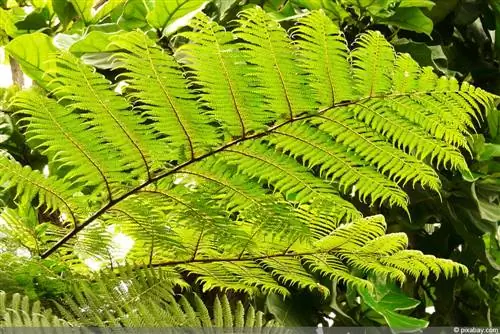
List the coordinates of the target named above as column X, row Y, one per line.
column 63, row 136
column 18, row 311
column 54, row 193
column 317, row 150
column 324, row 56
column 144, row 298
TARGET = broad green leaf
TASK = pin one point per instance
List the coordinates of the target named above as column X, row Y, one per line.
column 493, row 118
column 64, row 11
column 279, row 9
column 106, row 9
column 134, row 15
column 31, row 52
column 492, row 246
column 65, row 41
column 441, row 10
column 417, row 3
column 487, row 198
column 393, row 301
column 95, row 41
column 84, row 9
column 489, row 151
column 165, row 14
column 35, row 21
column 424, row 54
column 331, row 8
column 410, row 19
column 7, row 22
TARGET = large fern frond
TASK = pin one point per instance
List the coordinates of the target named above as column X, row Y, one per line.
column 238, row 171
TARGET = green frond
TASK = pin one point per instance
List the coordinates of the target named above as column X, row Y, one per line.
column 18, row 311
column 63, row 136
column 226, row 161
column 144, row 298
column 374, row 148
column 329, row 265
column 224, row 85
column 417, row 264
column 403, row 134
column 335, row 162
column 108, row 113
column 324, row 56
column 54, row 194
column 290, row 271
column 268, row 47
column 373, row 65
column 166, row 100
column 283, row 174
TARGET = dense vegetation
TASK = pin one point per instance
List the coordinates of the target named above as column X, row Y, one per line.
column 250, row 163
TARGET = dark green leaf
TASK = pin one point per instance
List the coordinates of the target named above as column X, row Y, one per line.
column 442, row 9
column 417, row 3
column 412, row 19
column 64, row 10
column 424, row 54
column 388, row 303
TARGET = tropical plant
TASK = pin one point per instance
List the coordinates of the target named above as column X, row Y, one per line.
column 237, row 171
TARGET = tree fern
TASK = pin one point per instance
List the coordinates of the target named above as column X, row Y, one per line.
column 231, row 157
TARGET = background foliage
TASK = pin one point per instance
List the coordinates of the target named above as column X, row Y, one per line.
column 459, row 38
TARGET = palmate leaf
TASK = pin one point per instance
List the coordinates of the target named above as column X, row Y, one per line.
column 233, row 159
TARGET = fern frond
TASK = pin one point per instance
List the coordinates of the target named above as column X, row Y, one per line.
column 335, row 162
column 224, row 85
column 373, row 65
column 234, row 171
column 107, row 113
column 144, row 298
column 19, row 311
column 373, row 148
column 324, row 54
column 54, row 193
column 269, row 49
column 63, row 136
column 167, row 100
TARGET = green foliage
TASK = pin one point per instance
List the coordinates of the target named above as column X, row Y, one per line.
column 18, row 311
column 228, row 185
column 387, row 300
column 400, row 14
column 208, row 168
column 144, row 298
